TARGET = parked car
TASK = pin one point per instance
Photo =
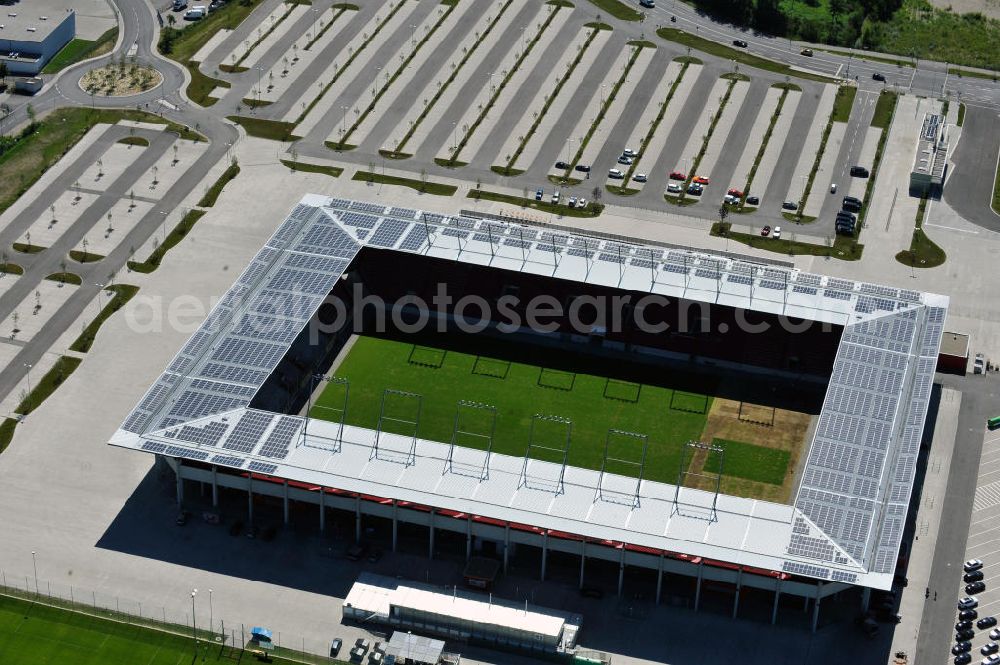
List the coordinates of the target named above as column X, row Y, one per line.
column 878, row 76
column 572, row 202
column 740, row 43
column 968, row 603
column 729, row 199
column 562, row 166
column 591, row 592
column 626, row 160
column 766, row 231
column 700, row 179
column 963, row 625
column 808, row 52
column 961, row 647
column 695, row 189
column 335, row 647
column 974, row 576
column 195, row 14
column 363, row 644
column 833, row 188
column 677, row 175
column 639, row 177
column 581, row 202
column 968, row 615
column 555, row 196
column 616, row 174
column 964, row 635
column 992, row 659
column 975, row 587
column 375, row 556
column 583, row 168
column 648, row 4
column 972, row 564
column 357, row 551
column 753, row 200
column 738, row 193
column 979, row 365
column 963, row 659
column 180, row 4
column 673, row 188
column 790, row 205
column 859, row 172
column 995, row 634
column 539, row 193
column 629, row 152
column 986, row 622
column 988, row 648
column 776, row 233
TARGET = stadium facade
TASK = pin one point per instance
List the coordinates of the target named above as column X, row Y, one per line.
column 226, row 411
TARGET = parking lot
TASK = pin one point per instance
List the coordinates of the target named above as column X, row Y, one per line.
column 499, row 92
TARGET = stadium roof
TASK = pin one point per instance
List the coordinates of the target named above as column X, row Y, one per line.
column 845, row 524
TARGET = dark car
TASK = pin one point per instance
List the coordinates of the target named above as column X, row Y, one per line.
column 591, row 592
column 766, row 231
column 986, row 622
column 878, row 76
column 790, row 205
column 182, row 518
column 963, row 625
column 740, row 43
column 695, row 189
column 753, row 200
column 562, row 165
column 583, row 168
column 963, row 659
column 975, row 587
column 964, row 635
column 974, row 576
column 335, row 647
column 968, row 615
column 859, row 172
column 989, row 647
column 961, row 647
column 539, row 194
column 808, row 52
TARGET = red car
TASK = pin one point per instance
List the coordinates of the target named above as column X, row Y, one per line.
column 766, row 231
column 735, row 192
column 700, row 179
column 677, row 175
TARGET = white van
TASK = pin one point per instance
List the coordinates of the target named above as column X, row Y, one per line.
column 196, row 13
column 180, row 4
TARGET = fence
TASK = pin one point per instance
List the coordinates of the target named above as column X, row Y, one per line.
column 206, row 628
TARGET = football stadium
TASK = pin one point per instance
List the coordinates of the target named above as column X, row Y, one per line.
column 721, row 423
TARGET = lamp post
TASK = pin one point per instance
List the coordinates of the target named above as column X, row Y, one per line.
column 34, row 565
column 27, row 378
column 211, row 617
column 194, row 629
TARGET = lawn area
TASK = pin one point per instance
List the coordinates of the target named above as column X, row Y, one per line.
column 332, row 171
column 213, row 193
column 262, row 128
column 518, row 391
column 592, row 209
column 739, row 55
column 843, row 103
column 841, row 247
column 81, row 49
column 122, row 293
column 745, row 460
column 936, row 34
column 617, row 9
column 996, row 191
column 422, row 186
column 173, row 238
column 47, row 385
column 35, row 152
column 37, row 634
column 883, row 109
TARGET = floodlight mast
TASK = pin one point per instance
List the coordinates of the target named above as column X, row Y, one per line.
column 468, row 406
column 313, row 380
column 634, row 438
column 563, row 452
column 383, row 418
column 713, row 515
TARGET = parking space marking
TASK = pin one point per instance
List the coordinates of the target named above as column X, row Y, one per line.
column 987, row 496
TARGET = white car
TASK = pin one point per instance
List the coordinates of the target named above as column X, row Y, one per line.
column 992, row 659
column 639, row 177
column 196, row 13
column 968, row 603
column 776, row 232
column 629, row 152
column 625, row 159
column 972, row 564
column 730, row 199
column 616, row 174
column 555, row 196
column 995, row 634
column 674, row 188
column 833, row 188
column 581, row 203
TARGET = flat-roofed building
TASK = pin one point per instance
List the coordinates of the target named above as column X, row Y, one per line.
column 931, row 158
column 31, row 33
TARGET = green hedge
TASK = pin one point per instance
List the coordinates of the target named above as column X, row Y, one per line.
column 122, row 294
column 173, row 238
column 54, row 378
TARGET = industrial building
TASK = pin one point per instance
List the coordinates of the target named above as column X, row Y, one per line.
column 32, row 32
column 931, row 158
column 224, row 414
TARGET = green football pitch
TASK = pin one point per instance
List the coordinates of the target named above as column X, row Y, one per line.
column 594, row 404
column 34, row 634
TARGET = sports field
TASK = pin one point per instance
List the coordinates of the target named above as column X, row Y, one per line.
column 594, row 404
column 35, row 634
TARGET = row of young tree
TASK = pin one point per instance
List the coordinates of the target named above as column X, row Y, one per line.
column 854, row 23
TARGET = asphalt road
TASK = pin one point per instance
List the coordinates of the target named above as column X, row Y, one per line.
column 969, row 187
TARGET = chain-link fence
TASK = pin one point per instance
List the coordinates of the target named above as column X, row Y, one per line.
column 205, row 628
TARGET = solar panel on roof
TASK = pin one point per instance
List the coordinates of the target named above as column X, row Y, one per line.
column 388, row 233
column 407, row 213
column 808, row 278
column 415, row 239
column 316, row 283
column 837, row 295
column 359, row 220
column 376, row 208
column 228, row 460
column 739, row 279
column 260, row 467
column 248, row 431
column 642, row 263
column 515, row 242
column 191, row 405
column 806, row 290
column 277, row 442
column 771, row 284
column 611, row 258
column 248, row 353
column 805, row 569
column 253, row 377
column 208, row 435
column 707, row 274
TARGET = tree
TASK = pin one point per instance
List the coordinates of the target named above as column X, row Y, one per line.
column 171, row 21
column 3, row 74
column 596, row 193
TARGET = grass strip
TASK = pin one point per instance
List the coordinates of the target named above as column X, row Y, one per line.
column 740, row 56
column 183, row 44
column 122, row 293
column 135, row 140
column 592, row 209
column 751, row 462
column 262, row 36
column 623, row 189
column 347, row 64
column 971, row 73
column 996, row 192
column 332, row 171
column 40, row 146
column 923, row 252
column 887, row 100
column 47, row 385
column 160, row 250
column 212, row 195
column 845, row 248
column 6, row 432
column 551, row 99
column 422, row 186
column 961, row 115
column 600, row 115
column 65, row 278
column 81, row 49
column 28, row 248
column 8, row 268
column 444, row 86
column 341, row 10
column 84, row 257
column 619, row 10
column 453, row 160
column 262, row 128
column 760, row 152
column 342, row 143
column 844, row 102
column 704, row 144
column 871, row 58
